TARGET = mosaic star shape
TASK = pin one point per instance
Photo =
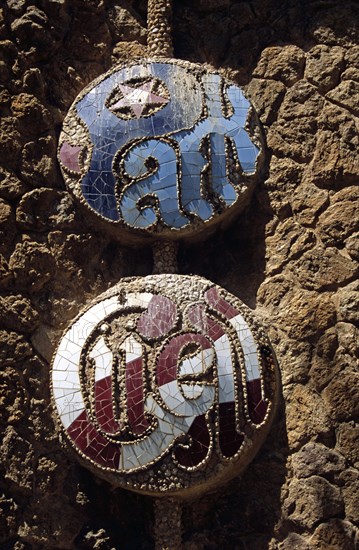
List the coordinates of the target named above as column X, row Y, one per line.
column 138, row 98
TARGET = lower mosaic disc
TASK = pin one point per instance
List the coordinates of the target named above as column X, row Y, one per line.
column 165, row 385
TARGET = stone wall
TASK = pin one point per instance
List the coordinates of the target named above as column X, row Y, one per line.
column 291, row 256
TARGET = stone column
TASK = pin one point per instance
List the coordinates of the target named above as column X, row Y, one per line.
column 159, row 25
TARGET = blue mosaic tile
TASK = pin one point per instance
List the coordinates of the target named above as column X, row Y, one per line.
column 163, row 130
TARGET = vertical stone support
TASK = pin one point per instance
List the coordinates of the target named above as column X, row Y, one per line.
column 165, row 257
column 168, row 522
column 159, row 25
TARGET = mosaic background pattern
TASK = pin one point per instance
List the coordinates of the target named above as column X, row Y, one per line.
column 159, row 146
column 167, row 372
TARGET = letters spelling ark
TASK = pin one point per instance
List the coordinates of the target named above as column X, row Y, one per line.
column 165, row 384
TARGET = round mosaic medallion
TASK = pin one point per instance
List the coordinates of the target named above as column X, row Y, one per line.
column 165, row 385
column 161, row 147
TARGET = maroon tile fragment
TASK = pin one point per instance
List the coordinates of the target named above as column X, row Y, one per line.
column 200, row 443
column 69, row 156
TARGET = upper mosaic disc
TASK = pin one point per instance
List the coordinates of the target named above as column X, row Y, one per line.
column 165, row 385
column 160, row 146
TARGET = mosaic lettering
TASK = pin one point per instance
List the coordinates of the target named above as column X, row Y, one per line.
column 165, row 372
column 160, row 146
